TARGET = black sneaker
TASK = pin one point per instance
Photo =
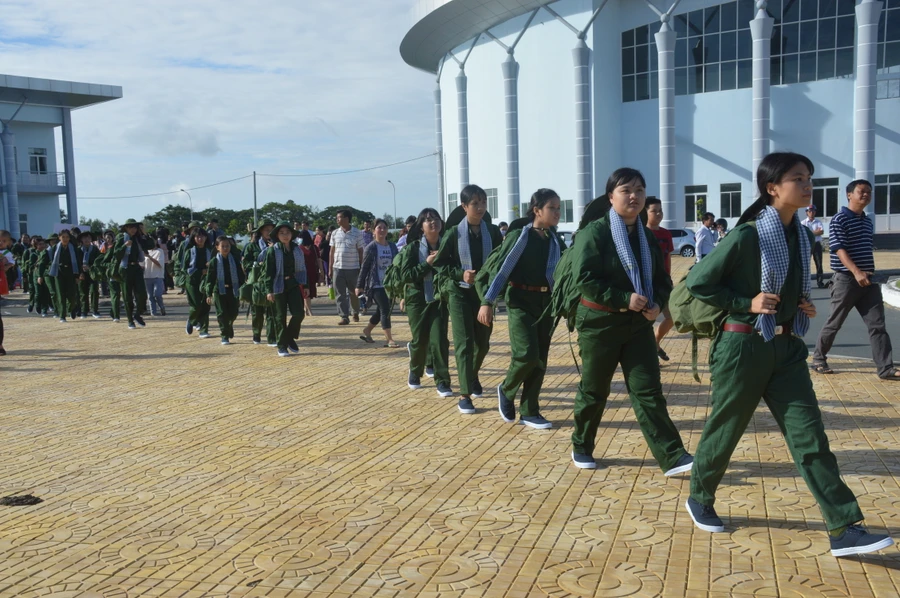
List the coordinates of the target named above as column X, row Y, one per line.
column 465, row 406
column 856, row 540
column 507, row 408
column 536, row 421
column 583, row 461
column 29, row 309
column 225, row 341
column 685, row 463
column 131, row 326
column 429, row 372
column 189, row 328
column 256, row 339
column 662, row 354
column 705, row 517
column 96, row 315
column 292, row 346
column 283, row 353
column 344, row 322
column 477, row 391
column 139, row 321
column 444, row 390
column 414, row 382
column 162, row 311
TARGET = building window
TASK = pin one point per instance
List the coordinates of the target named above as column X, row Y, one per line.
column 491, row 201
column 568, row 211
column 523, row 209
column 639, row 63
column 730, row 206
column 23, row 224
column 452, row 203
column 37, row 160
column 694, row 203
column 888, row 56
column 887, row 194
column 825, row 197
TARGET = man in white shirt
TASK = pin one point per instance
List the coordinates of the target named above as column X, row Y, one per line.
column 818, row 230
column 705, row 239
column 345, row 259
column 155, row 278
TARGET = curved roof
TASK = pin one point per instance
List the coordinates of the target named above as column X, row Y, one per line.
column 442, row 25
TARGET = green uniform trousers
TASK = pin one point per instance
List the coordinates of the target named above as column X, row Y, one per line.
column 115, row 299
column 471, row 339
column 606, row 340
column 32, row 291
column 199, row 310
column 743, row 368
column 50, row 283
column 429, row 345
column 90, row 295
column 263, row 316
column 66, row 296
column 291, row 299
column 529, row 343
column 42, row 301
column 226, row 313
column 135, row 291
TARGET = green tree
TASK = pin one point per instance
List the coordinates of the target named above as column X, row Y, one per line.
column 170, row 217
column 63, row 217
column 328, row 216
column 95, row 225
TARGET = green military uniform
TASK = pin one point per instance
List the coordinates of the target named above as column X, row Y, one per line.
column 66, row 280
column 744, row 368
column 198, row 314
column 471, row 340
column 131, row 272
column 621, row 336
column 50, row 281
column 260, row 316
column 227, row 303
column 39, row 267
column 291, row 298
column 107, row 268
column 90, row 286
column 530, row 323
column 428, row 320
column 28, row 262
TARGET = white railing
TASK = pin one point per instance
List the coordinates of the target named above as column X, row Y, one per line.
column 46, row 179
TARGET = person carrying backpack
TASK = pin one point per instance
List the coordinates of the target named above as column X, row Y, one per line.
column 261, row 314
column 759, row 275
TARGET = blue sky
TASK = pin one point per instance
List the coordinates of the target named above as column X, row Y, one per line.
column 215, row 90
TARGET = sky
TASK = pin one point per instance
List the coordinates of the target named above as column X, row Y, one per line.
column 215, row 90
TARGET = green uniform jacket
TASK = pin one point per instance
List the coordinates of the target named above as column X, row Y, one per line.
column 412, row 273
column 210, row 285
column 601, row 277
column 68, row 273
column 287, row 265
column 530, row 270
column 93, row 256
column 250, row 256
column 447, row 259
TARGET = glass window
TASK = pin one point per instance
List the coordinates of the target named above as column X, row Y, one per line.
column 745, row 74
column 628, row 88
column 681, row 52
column 894, row 200
column 790, row 65
column 728, row 43
column 694, row 202
column 846, row 29
column 746, row 11
column 790, row 38
column 881, row 197
column 825, row 197
column 892, row 25
column 711, row 77
column 809, row 10
column 831, row 201
column 730, row 200
column 825, row 66
column 745, row 44
column 695, row 23
column 695, row 50
column 628, row 38
column 729, row 75
column 775, row 46
column 654, row 85
column 808, row 36
column 827, row 8
column 641, row 60
column 827, row 33
column 681, row 81
column 844, row 62
column 775, row 70
column 892, row 54
column 711, row 20
column 681, row 26
column 568, row 211
column 728, row 16
column 640, row 35
column 711, row 51
column 807, row 67
column 628, row 61
column 654, row 58
column 491, row 201
column 695, row 79
column 642, row 83
column 846, row 7
column 791, row 11
column 773, row 9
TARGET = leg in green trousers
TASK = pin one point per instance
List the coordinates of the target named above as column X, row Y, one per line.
column 115, row 299
column 135, row 291
column 257, row 319
column 290, row 300
column 90, row 295
column 606, row 340
column 32, row 292
column 263, row 317
column 226, row 313
column 67, row 297
column 50, row 282
column 743, row 369
column 199, row 312
column 529, row 340
column 471, row 340
column 429, row 344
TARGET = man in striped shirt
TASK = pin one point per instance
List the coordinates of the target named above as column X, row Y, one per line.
column 346, row 257
column 850, row 240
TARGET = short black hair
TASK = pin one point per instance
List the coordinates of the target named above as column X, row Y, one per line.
column 410, row 220
column 851, row 187
column 502, row 224
column 306, row 222
column 214, row 221
column 347, row 213
column 708, row 216
column 652, row 200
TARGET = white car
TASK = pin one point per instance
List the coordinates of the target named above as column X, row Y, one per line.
column 683, row 240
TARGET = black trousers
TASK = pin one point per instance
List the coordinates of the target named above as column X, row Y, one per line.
column 817, row 260
column 383, row 313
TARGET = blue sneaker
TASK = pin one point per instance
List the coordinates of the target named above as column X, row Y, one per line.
column 292, row 346
column 856, row 540
column 705, row 517
column 189, row 327
column 283, row 353
column 429, row 372
column 685, row 463
column 536, row 421
column 583, row 461
column 466, row 406
column 477, row 391
column 444, row 390
column 414, row 382
column 506, row 407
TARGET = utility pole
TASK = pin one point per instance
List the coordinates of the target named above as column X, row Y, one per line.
column 255, row 219
column 395, row 204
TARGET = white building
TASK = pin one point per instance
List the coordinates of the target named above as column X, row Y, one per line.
column 30, row 110
column 533, row 94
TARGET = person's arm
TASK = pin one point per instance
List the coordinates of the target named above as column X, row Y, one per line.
column 707, row 280
column 588, row 263
column 446, row 261
column 360, row 247
column 492, row 266
column 837, row 242
column 366, row 265
column 662, row 282
column 331, row 253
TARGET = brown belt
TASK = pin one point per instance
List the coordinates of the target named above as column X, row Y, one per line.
column 748, row 329
column 599, row 307
column 525, row 287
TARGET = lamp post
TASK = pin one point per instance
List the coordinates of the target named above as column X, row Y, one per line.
column 395, row 202
column 190, row 199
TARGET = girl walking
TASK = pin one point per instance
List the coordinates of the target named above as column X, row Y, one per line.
column 197, row 258
column 223, row 281
column 286, row 281
column 377, row 256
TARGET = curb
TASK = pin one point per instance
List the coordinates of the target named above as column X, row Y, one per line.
column 891, row 292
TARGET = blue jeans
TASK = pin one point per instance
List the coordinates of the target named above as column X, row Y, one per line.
column 155, row 289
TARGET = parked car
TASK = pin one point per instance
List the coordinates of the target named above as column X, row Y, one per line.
column 683, row 239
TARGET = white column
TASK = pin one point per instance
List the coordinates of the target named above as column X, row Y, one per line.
column 511, row 104
column 439, row 137
column 463, row 116
column 761, row 32
column 867, row 14
column 69, row 161
column 665, row 47
column 8, row 141
column 584, row 156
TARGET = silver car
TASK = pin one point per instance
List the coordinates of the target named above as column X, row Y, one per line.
column 683, row 240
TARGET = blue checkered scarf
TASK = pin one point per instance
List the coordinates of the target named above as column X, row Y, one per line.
column 509, row 264
column 193, row 266
column 140, row 252
column 776, row 259
column 220, row 274
column 428, row 281
column 86, row 254
column 299, row 268
column 641, row 281
column 465, row 254
column 54, row 267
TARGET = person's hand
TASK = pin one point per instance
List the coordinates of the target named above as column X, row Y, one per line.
column 430, row 259
column 128, row 243
column 807, row 307
column 304, row 292
column 209, row 300
column 862, row 278
column 402, row 305
column 40, row 280
column 358, row 292
column 765, row 303
column 651, row 313
column 81, row 277
column 486, row 315
column 270, row 298
column 637, row 302
column 469, row 277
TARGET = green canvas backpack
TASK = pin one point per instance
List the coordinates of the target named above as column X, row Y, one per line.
column 697, row 317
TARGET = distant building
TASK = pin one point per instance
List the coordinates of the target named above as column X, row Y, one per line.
column 30, row 110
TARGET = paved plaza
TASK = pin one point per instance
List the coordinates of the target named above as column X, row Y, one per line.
column 170, row 466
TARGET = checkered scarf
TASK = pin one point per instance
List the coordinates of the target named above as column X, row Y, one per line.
column 775, row 258
column 465, row 254
column 193, row 266
column 299, row 267
column 512, row 259
column 641, row 281
column 54, row 267
column 428, row 281
column 220, row 274
column 140, row 252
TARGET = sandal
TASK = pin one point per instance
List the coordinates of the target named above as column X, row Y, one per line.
column 892, row 375
column 821, row 368
column 367, row 339
column 392, row 345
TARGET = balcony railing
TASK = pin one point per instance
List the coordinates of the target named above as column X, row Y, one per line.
column 45, row 180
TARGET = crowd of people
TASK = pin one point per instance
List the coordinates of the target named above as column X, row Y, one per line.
column 611, row 285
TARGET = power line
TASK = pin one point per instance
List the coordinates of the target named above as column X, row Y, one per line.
column 351, row 171
column 172, row 192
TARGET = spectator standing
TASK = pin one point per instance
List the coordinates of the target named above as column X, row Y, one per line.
column 368, row 235
column 504, row 227
column 213, row 232
column 851, row 242
column 378, row 257
column 345, row 259
column 154, row 278
column 705, row 239
column 410, row 222
column 816, row 228
column 664, row 238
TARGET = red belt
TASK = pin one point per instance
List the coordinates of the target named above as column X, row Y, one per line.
column 525, row 287
column 599, row 307
column 748, row 329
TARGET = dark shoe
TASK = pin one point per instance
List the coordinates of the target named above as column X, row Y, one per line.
column 821, row 285
column 465, row 406
column 477, row 391
column 429, row 372
column 29, row 309
column 537, row 422
column 283, row 353
column 444, row 390
column 356, row 317
column 662, row 354
column 821, row 368
column 162, row 311
column 140, row 321
column 705, row 517
column 96, row 315
column 344, row 322
column 2, row 351
column 131, row 326
column 204, row 335
column 685, row 463
column 856, row 540
column 225, row 341
column 189, row 328
column 292, row 346
column 366, row 338
column 256, row 339
column 583, row 461
column 63, row 321
column 414, row 381
column 507, row 408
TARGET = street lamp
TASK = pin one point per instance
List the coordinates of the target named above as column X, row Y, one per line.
column 395, row 202
column 190, row 199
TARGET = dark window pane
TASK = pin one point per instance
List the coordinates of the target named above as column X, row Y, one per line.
column 846, row 28
column 681, row 25
column 892, row 54
column 711, row 52
column 818, row 201
column 695, row 50
column 695, row 79
column 894, row 178
column 831, row 202
column 881, row 178
column 711, row 79
column 775, row 70
column 689, row 211
column 808, row 10
column 711, row 20
column 745, row 74
column 881, row 197
column 729, row 75
column 790, row 38
column 774, row 10
column 893, row 3
column 844, row 62
column 825, row 67
column 681, row 82
column 654, row 85
column 892, row 29
column 808, row 36
column 642, row 83
column 746, row 11
column 789, row 68
column 792, row 11
column 728, row 16
column 628, row 38
column 654, row 58
column 627, row 89
column 826, row 33
column 695, row 23
column 681, row 52
column 846, row 7
column 775, row 46
column 894, row 205
column 879, row 61
column 641, row 60
column 807, row 67
column 728, row 41
column 745, row 44
column 640, row 35
column 654, row 29
column 881, row 22
column 628, row 61
column 827, row 8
